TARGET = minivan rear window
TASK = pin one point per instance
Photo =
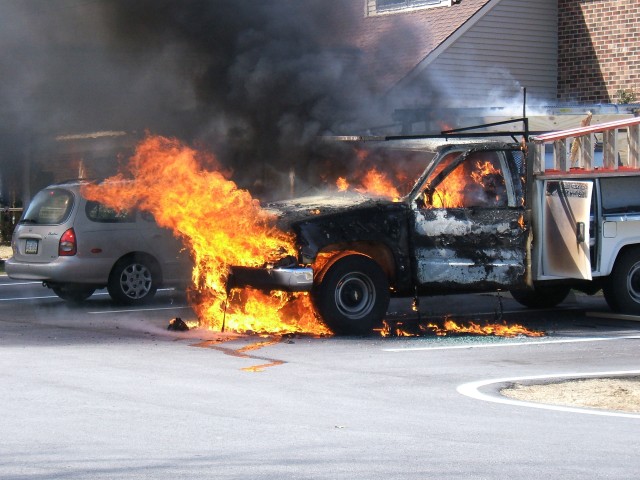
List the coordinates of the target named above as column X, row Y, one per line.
column 49, row 207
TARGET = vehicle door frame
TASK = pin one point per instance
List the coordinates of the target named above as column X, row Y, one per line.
column 442, row 241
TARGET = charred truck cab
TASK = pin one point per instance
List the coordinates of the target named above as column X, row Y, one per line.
column 484, row 216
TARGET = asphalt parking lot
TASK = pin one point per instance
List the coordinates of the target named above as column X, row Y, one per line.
column 99, row 391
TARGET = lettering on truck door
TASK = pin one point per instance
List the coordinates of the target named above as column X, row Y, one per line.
column 469, row 227
column 565, row 229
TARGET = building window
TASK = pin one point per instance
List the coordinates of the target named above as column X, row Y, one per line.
column 392, row 6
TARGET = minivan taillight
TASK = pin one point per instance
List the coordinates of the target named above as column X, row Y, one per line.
column 68, row 246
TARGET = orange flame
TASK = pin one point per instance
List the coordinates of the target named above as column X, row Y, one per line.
column 456, row 189
column 342, row 184
column 380, row 174
column 450, row 192
column 221, row 224
column 482, row 170
column 372, row 182
column 495, row 329
column 450, row 327
column 377, row 183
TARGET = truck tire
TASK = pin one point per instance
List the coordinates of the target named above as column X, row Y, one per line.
column 133, row 280
column 73, row 294
column 622, row 288
column 541, row 296
column 352, row 296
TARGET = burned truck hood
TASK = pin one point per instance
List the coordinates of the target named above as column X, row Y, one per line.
column 290, row 212
column 324, row 222
column 342, row 220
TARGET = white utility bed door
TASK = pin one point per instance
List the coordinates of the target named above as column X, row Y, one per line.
column 565, row 251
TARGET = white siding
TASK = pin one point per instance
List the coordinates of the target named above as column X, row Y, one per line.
column 513, row 45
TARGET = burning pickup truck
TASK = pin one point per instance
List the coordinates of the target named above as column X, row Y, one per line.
column 484, row 216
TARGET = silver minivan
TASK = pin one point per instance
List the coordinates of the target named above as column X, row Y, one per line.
column 75, row 246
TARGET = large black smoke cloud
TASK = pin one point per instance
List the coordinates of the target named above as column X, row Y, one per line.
column 269, row 77
column 256, row 81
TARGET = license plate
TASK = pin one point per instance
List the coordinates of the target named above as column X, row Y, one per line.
column 31, row 246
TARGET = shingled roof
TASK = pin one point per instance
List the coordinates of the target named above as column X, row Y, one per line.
column 393, row 45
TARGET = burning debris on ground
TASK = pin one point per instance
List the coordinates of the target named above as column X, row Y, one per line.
column 450, row 327
column 177, row 325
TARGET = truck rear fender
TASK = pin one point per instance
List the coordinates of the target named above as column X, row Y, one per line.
column 616, row 251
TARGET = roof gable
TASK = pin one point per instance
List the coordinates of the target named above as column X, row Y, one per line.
column 395, row 44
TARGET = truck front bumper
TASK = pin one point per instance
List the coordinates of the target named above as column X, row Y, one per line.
column 290, row 279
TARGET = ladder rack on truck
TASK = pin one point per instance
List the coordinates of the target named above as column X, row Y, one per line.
column 573, row 149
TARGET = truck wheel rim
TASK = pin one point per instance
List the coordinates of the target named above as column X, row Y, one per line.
column 135, row 281
column 633, row 282
column 355, row 295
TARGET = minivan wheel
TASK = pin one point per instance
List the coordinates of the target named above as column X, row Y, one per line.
column 352, row 295
column 73, row 294
column 133, row 281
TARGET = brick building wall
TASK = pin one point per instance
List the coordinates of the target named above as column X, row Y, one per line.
column 598, row 50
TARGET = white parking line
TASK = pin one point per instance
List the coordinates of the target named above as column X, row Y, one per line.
column 96, row 294
column 614, row 316
column 26, row 298
column 472, row 390
column 512, row 344
column 139, row 310
column 42, row 297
